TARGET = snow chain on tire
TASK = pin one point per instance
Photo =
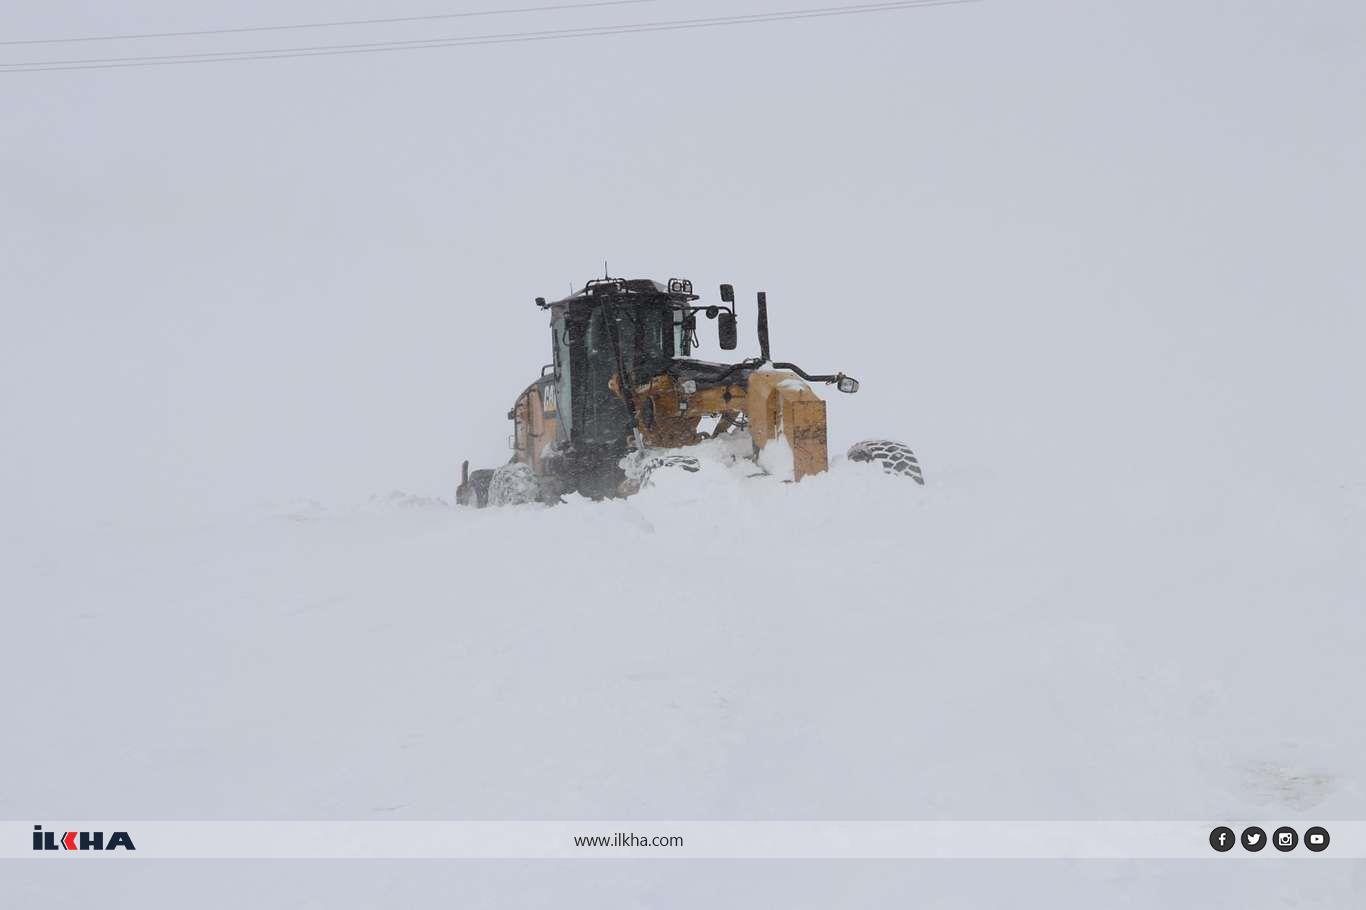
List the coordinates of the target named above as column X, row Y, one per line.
column 513, row 484
column 686, row 462
column 894, row 457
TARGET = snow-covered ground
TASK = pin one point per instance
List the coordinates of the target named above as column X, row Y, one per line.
column 993, row 645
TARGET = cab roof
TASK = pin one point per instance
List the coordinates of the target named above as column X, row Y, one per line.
column 678, row 290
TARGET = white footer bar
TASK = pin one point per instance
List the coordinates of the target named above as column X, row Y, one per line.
column 67, row 839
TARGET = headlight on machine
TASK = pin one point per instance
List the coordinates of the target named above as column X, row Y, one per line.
column 847, row 384
column 689, row 386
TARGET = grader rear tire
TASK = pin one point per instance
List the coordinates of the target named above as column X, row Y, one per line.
column 475, row 493
column 513, row 484
column 668, row 462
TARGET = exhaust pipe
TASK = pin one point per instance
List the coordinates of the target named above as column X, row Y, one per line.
column 762, row 326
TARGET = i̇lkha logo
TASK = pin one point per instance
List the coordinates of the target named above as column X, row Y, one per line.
column 80, row 840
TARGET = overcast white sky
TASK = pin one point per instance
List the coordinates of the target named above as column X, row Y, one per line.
column 223, row 283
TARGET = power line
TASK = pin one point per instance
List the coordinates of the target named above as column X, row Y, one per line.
column 552, row 7
column 330, row 50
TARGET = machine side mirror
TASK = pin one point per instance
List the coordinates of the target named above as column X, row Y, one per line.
column 727, row 332
column 727, row 294
column 847, row 385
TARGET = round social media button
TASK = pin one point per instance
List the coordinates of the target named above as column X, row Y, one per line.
column 1316, row 839
column 1221, row 839
column 1254, row 839
column 1285, row 839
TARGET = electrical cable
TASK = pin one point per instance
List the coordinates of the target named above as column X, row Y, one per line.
column 472, row 40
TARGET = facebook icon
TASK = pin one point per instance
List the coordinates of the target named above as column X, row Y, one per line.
column 1221, row 839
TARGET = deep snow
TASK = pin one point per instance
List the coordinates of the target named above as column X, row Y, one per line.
column 719, row 646
column 852, row 646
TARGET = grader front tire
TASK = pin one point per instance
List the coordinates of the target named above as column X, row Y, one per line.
column 894, row 457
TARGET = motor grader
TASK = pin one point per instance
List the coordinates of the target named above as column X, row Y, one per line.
column 623, row 395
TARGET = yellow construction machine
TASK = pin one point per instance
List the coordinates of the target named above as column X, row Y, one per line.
column 623, row 395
